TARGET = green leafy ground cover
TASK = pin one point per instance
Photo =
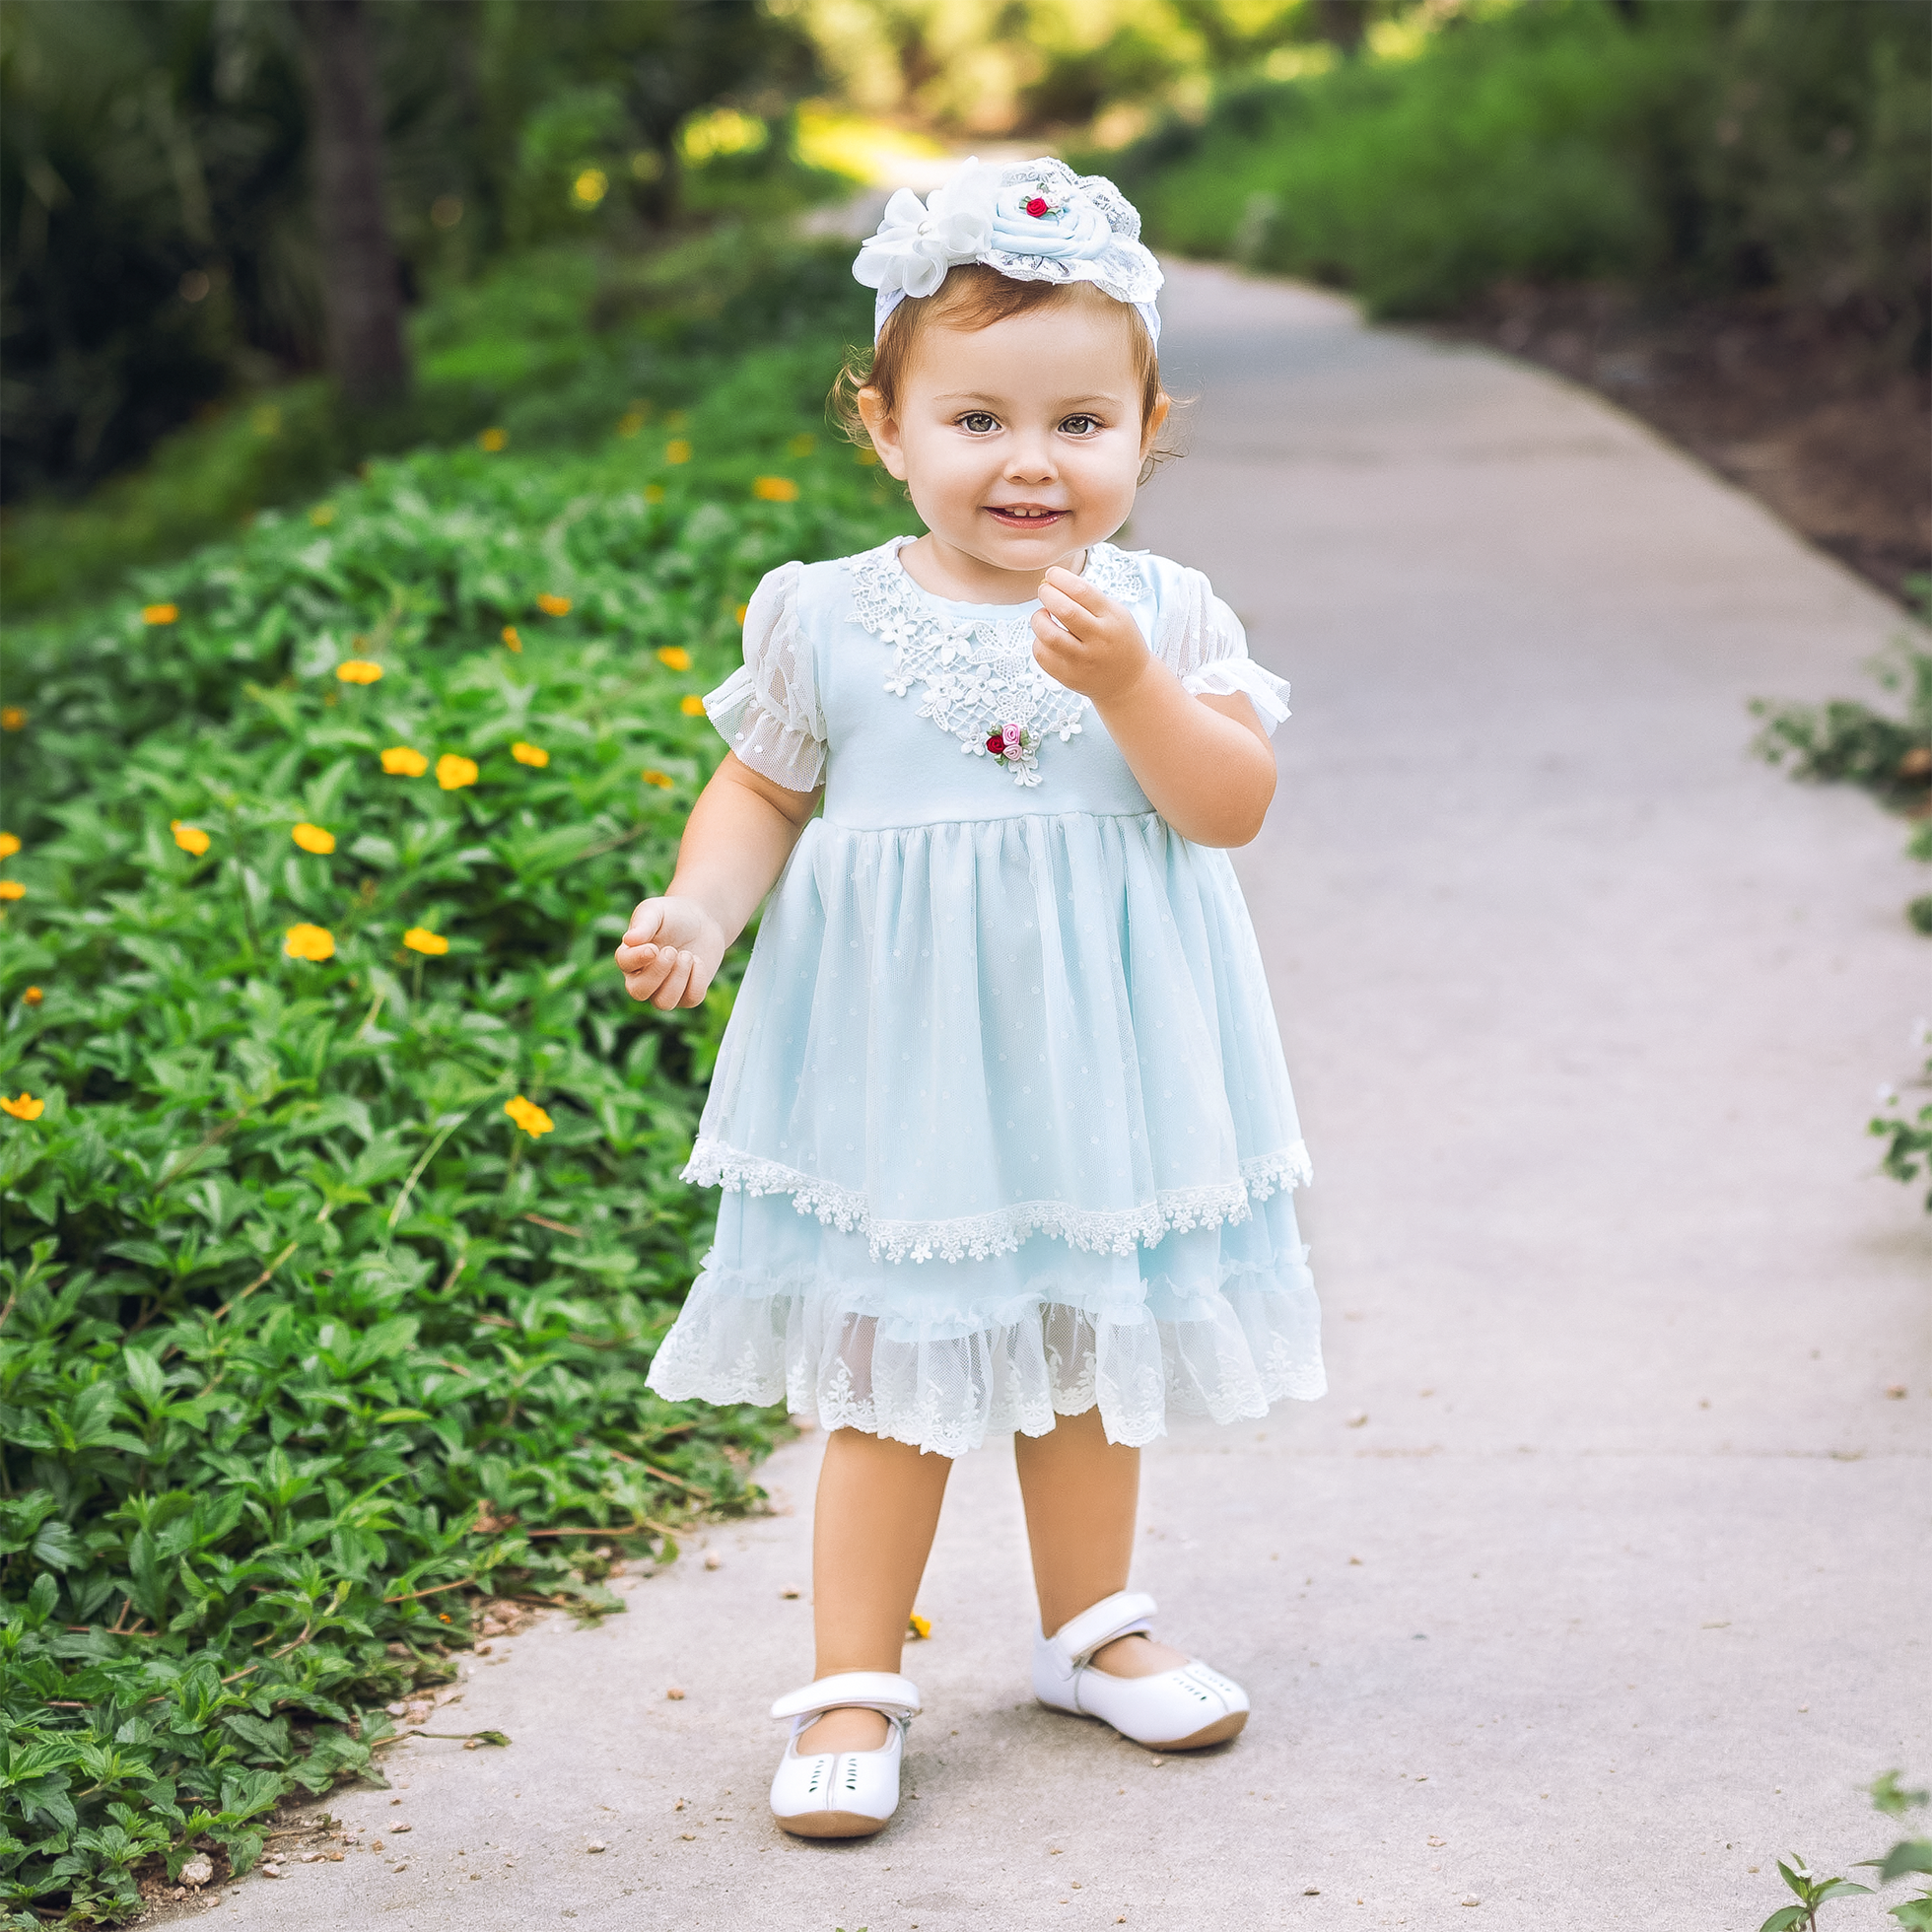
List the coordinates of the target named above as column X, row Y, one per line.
column 330, row 1282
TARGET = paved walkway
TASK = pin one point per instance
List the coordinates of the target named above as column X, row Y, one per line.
column 1600, row 1579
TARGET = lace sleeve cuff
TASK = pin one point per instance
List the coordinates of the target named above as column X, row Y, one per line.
column 782, row 753
column 1227, row 676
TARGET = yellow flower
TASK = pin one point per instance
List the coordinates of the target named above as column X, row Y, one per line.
column 589, row 187
column 312, row 838
column 663, row 780
column 190, row 838
column 553, row 605
column 802, row 446
column 866, row 458
column 323, row 516
column 630, row 422
column 510, row 637
column 159, row 614
column 773, row 489
column 529, row 754
column 12, row 717
column 357, row 670
column 12, row 890
column 419, row 939
column 26, row 1108
column 493, row 440
column 528, row 1116
column 454, row 773
column 920, row 1627
column 402, row 762
column 653, row 493
column 676, row 656
column 314, row 943
column 691, row 705
column 678, row 451
column 9, row 844
column 741, row 613
column 32, row 997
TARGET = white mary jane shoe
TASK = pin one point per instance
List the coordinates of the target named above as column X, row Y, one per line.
column 843, row 1794
column 1174, row 1711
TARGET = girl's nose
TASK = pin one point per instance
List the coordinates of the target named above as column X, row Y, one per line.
column 1030, row 462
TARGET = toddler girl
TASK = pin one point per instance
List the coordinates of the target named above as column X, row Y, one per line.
column 1000, row 1116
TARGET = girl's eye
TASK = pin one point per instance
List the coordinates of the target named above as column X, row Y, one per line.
column 1080, row 426
column 978, row 422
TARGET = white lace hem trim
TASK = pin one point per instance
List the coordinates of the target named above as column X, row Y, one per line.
column 962, row 1237
column 1252, row 1347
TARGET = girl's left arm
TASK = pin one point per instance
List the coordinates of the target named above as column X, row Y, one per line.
column 1204, row 762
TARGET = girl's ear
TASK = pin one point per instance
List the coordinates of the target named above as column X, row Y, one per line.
column 883, row 430
column 1151, row 428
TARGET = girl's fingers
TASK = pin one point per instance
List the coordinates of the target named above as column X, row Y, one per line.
column 670, row 994
column 640, row 986
column 1073, row 615
column 1076, row 590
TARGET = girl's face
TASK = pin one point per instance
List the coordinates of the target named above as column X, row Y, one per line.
column 1020, row 443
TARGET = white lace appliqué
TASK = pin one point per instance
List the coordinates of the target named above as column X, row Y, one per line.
column 980, row 678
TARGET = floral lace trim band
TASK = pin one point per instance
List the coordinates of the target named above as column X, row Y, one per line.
column 976, row 1237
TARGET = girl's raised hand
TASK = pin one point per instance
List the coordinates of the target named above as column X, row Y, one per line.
column 1095, row 648
column 669, row 952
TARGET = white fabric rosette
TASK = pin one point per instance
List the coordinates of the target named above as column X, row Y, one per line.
column 1035, row 221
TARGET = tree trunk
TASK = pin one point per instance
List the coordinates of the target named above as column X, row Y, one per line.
column 362, row 292
column 1343, row 21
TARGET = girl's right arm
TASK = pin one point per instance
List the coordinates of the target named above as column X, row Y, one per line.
column 735, row 843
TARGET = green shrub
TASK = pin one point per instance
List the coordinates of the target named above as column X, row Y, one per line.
column 1720, row 146
column 1509, row 148
column 330, row 1280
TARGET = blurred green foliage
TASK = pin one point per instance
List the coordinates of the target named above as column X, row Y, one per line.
column 553, row 344
column 1730, row 145
column 156, row 226
column 978, row 67
column 339, row 1211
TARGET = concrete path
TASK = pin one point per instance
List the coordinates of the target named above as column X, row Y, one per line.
column 1601, row 1578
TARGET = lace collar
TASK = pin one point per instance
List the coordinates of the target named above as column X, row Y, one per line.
column 980, row 682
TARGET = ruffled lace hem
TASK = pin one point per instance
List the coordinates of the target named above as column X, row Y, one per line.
column 784, row 753
column 739, row 1340
column 975, row 1237
column 1230, row 677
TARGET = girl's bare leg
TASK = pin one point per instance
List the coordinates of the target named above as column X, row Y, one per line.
column 1081, row 1492
column 878, row 1504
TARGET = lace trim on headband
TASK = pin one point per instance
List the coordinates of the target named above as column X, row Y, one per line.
column 981, row 684
column 975, row 1237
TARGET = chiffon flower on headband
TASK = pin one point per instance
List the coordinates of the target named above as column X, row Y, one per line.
column 1036, row 221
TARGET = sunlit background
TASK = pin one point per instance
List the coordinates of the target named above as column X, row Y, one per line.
column 1716, row 209
column 402, row 401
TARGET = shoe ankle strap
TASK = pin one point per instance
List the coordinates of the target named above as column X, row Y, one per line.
column 1122, row 1615
column 885, row 1691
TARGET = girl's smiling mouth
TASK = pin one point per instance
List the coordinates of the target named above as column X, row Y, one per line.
column 1025, row 515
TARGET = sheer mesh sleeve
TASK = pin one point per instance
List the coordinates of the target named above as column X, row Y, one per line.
column 1201, row 640
column 766, row 711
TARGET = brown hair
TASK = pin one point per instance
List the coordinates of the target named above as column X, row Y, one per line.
column 973, row 296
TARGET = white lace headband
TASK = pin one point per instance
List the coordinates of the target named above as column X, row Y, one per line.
column 1035, row 222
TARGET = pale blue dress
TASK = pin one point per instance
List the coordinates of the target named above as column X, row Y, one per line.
column 1001, row 1115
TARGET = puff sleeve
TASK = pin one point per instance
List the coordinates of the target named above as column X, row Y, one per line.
column 766, row 711
column 1203, row 641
